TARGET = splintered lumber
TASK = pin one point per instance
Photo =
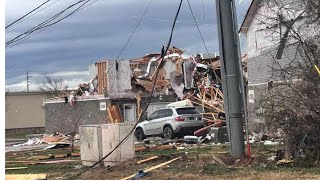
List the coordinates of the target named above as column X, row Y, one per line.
column 75, row 154
column 25, row 176
column 140, row 148
column 148, row 159
column 42, row 157
column 22, row 162
column 154, row 167
column 60, row 156
column 138, row 97
column 16, row 168
column 115, row 110
column 218, row 160
column 110, row 115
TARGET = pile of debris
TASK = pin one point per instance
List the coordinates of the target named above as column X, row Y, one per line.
column 195, row 77
column 54, row 139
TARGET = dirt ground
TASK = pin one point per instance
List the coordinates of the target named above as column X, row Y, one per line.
column 195, row 163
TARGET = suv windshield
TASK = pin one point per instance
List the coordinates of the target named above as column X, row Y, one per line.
column 190, row 110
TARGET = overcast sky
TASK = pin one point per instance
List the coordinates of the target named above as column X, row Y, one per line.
column 98, row 32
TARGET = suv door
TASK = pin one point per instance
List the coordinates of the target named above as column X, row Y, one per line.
column 163, row 116
column 149, row 127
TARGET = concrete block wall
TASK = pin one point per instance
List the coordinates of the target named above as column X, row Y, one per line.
column 61, row 117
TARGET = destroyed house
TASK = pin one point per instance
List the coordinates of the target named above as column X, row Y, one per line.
column 120, row 90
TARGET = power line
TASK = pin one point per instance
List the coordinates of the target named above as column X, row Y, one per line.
column 204, row 43
column 49, row 22
column 150, row 97
column 195, row 21
column 27, row 14
column 38, row 11
column 130, row 37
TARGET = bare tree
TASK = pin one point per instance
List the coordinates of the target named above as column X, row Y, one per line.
column 53, row 87
column 292, row 103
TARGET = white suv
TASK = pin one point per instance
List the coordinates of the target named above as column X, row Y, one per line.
column 170, row 122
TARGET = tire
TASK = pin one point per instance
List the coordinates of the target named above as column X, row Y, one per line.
column 168, row 132
column 139, row 134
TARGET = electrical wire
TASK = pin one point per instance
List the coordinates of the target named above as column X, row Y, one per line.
column 130, row 37
column 195, row 21
column 49, row 22
column 36, row 12
column 149, row 100
column 204, row 43
column 19, row 19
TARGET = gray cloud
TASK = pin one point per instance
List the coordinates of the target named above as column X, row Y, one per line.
column 99, row 32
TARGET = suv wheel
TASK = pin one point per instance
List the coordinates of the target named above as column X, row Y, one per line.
column 168, row 132
column 139, row 135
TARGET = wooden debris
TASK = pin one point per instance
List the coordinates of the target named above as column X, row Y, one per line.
column 58, row 161
column 285, row 161
column 25, row 176
column 41, row 162
column 154, row 167
column 60, row 156
column 16, row 168
column 42, row 157
column 75, row 154
column 140, row 148
column 22, row 162
column 148, row 159
column 153, row 148
column 218, row 160
column 162, row 147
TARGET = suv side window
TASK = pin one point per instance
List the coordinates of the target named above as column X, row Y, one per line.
column 154, row 115
column 165, row 113
column 169, row 112
column 162, row 113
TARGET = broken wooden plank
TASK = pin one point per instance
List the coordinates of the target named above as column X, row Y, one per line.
column 140, row 148
column 148, row 159
column 154, row 167
column 25, row 176
column 75, row 154
column 115, row 110
column 42, row 157
column 218, row 160
column 58, row 161
column 22, row 162
column 16, row 168
column 60, row 156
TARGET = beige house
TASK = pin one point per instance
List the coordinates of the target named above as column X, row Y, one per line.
column 24, row 112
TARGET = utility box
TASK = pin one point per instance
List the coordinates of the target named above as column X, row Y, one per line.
column 90, row 144
column 96, row 141
column 112, row 134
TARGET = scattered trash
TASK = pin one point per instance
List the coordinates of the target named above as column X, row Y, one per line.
column 154, row 167
column 16, row 168
column 272, row 158
column 78, row 166
column 285, row 161
column 268, row 142
column 140, row 175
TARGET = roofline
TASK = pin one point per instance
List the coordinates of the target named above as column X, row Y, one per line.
column 254, row 3
column 13, row 93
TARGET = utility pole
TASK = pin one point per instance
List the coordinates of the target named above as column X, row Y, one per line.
column 232, row 76
column 28, row 80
